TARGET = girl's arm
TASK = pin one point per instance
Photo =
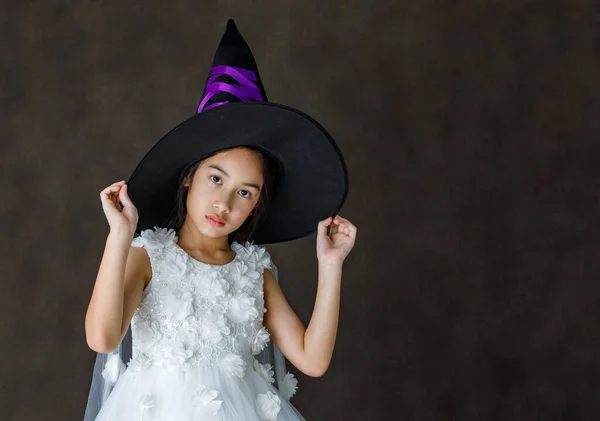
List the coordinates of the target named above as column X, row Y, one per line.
column 123, row 273
column 308, row 349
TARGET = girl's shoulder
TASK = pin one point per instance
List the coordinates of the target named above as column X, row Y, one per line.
column 252, row 253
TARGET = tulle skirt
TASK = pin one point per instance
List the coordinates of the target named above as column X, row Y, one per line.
column 195, row 394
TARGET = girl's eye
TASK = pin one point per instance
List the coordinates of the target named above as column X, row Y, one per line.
column 244, row 193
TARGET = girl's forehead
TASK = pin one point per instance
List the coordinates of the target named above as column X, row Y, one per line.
column 239, row 157
column 243, row 163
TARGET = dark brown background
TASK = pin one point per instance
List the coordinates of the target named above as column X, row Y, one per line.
column 470, row 130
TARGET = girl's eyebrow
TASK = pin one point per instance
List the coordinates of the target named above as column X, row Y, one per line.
column 216, row 167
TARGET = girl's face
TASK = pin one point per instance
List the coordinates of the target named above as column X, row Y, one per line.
column 224, row 191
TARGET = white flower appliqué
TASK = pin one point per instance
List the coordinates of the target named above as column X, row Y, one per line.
column 253, row 253
column 267, row 406
column 232, row 363
column 213, row 326
column 264, row 370
column 242, row 274
column 260, row 340
column 218, row 286
column 288, row 386
column 262, row 257
column 156, row 238
column 147, row 334
column 178, row 305
column 205, row 401
column 146, row 404
column 242, row 308
column 113, row 369
column 243, row 250
column 174, row 357
column 140, row 362
column 147, row 401
column 178, row 266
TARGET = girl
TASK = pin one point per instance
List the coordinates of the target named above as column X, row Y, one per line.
column 202, row 300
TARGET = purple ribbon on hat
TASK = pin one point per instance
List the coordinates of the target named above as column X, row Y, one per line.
column 246, row 91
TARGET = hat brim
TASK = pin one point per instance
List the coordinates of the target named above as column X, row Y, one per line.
column 313, row 186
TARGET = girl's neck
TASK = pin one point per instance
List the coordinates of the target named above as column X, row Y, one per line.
column 192, row 240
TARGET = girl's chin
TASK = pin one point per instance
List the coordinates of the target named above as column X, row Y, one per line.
column 215, row 232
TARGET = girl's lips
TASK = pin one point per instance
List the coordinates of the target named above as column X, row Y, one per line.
column 214, row 221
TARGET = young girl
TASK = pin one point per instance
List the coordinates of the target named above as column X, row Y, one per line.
column 201, row 299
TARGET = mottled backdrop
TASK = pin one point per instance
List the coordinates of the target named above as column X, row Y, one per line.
column 471, row 134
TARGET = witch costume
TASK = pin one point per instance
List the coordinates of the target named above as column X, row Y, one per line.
column 196, row 348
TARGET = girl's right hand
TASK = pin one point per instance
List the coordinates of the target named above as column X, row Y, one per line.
column 119, row 218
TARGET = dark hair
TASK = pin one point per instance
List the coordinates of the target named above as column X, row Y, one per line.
column 248, row 230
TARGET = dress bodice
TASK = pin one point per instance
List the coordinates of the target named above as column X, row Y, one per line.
column 196, row 314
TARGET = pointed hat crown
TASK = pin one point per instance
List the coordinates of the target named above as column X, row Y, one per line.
column 234, row 75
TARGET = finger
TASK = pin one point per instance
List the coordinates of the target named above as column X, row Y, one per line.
column 108, row 204
column 333, row 230
column 109, row 198
column 352, row 231
column 110, row 189
column 342, row 219
column 344, row 225
column 110, row 192
column 124, row 197
column 322, row 228
column 117, row 184
column 106, row 194
column 115, row 199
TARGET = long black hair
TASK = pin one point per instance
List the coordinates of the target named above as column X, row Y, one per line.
column 248, row 229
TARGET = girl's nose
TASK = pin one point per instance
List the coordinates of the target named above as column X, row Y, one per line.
column 224, row 199
column 221, row 206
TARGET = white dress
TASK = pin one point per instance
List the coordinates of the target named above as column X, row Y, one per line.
column 195, row 335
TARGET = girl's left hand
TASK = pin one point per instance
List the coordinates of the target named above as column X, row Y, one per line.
column 335, row 247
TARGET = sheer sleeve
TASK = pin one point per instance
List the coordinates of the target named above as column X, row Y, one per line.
column 271, row 354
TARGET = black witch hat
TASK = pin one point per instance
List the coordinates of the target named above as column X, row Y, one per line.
column 234, row 111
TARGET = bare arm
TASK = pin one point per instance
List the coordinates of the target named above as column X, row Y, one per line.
column 309, row 349
column 123, row 273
